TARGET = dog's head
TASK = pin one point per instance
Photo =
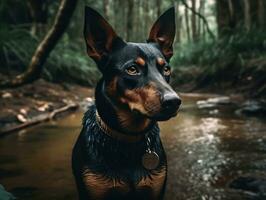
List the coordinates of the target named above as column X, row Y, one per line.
column 136, row 75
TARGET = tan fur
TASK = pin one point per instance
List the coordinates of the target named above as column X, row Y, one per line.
column 140, row 61
column 98, row 185
column 145, row 100
column 111, row 88
column 155, row 181
column 131, row 123
column 161, row 61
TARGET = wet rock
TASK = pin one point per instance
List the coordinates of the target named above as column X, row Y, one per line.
column 252, row 107
column 4, row 195
column 214, row 102
column 250, row 184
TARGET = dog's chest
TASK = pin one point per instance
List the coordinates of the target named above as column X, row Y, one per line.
column 103, row 187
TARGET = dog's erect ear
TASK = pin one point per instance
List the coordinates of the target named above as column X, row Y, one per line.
column 100, row 37
column 163, row 32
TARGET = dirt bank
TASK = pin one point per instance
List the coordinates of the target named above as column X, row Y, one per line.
column 37, row 102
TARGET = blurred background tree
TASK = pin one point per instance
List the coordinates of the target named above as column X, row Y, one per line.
column 220, row 43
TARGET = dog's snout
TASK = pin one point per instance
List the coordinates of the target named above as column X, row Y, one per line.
column 171, row 101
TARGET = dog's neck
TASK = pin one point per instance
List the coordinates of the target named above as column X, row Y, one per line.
column 118, row 118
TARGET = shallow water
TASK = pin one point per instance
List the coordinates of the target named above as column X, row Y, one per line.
column 206, row 150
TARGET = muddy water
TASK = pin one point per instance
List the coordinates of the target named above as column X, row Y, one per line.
column 206, row 150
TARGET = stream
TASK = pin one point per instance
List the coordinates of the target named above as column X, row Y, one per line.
column 213, row 153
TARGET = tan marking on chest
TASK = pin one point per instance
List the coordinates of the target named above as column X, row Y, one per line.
column 98, row 185
column 155, row 181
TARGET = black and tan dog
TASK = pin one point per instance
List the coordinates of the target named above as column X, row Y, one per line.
column 119, row 154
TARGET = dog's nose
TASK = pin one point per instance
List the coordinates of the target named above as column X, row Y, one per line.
column 171, row 101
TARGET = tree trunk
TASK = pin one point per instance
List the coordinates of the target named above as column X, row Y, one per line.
column 146, row 17
column 222, row 17
column 137, row 22
column 105, row 9
column 238, row 21
column 120, row 17
column 159, row 5
column 247, row 19
column 187, row 24
column 261, row 14
column 193, row 22
column 39, row 14
column 42, row 52
column 201, row 8
column 226, row 17
column 254, row 13
column 117, row 22
column 178, row 22
column 130, row 7
column 201, row 17
column 203, row 29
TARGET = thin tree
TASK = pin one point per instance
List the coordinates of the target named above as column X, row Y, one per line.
column 200, row 16
column 178, row 22
column 201, row 9
column 106, row 8
column 39, row 14
column 262, row 14
column 159, row 5
column 45, row 47
column 187, row 24
column 247, row 14
column 193, row 22
column 146, row 9
column 138, row 25
column 129, row 28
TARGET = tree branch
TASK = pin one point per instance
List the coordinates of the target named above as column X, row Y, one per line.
column 201, row 17
column 45, row 47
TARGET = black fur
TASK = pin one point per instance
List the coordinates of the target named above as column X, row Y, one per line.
column 113, row 158
column 106, row 168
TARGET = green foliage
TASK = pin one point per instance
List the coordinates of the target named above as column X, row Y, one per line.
column 16, row 46
column 238, row 61
column 69, row 62
column 205, row 53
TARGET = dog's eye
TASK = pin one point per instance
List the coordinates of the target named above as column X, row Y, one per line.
column 132, row 70
column 166, row 71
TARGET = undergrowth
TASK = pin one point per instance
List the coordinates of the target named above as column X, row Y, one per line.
column 67, row 62
column 242, row 45
column 238, row 61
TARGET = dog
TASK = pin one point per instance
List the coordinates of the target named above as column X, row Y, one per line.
column 118, row 154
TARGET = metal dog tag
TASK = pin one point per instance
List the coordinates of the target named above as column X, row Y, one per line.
column 150, row 160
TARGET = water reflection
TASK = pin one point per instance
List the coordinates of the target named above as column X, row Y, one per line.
column 206, row 150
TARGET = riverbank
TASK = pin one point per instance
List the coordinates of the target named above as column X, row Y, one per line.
column 41, row 101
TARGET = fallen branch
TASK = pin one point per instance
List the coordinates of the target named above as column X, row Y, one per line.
column 201, row 17
column 39, row 119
